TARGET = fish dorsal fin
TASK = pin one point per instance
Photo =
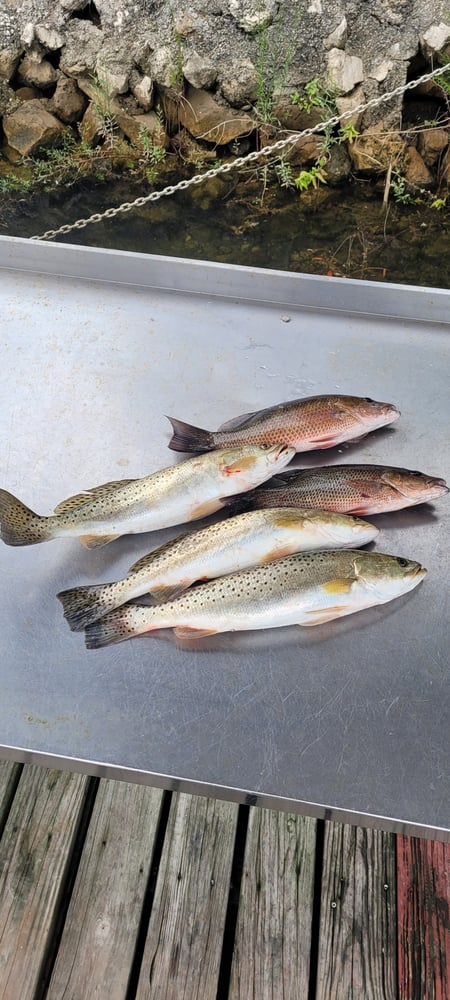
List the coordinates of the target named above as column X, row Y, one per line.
column 236, row 422
column 145, row 561
column 79, row 499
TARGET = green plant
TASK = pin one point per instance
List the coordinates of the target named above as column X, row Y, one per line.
column 12, row 183
column 399, row 187
column 438, row 203
column 347, row 132
column 102, row 104
column 312, row 177
column 153, row 152
column 315, row 95
column 283, row 173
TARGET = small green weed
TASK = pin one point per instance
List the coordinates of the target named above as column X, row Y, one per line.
column 312, row 177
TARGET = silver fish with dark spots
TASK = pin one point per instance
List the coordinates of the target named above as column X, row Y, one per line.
column 179, row 493
column 308, row 588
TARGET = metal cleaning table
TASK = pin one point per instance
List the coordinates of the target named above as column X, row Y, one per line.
column 348, row 721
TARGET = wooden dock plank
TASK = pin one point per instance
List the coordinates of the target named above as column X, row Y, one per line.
column 99, row 937
column 9, row 773
column 273, row 932
column 357, row 953
column 423, row 893
column 35, row 853
column 182, row 953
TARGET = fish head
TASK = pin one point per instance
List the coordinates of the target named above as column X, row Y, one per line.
column 246, row 467
column 346, row 530
column 369, row 412
column 415, row 486
column 387, row 576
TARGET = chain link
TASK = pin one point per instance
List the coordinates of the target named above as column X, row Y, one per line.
column 241, row 161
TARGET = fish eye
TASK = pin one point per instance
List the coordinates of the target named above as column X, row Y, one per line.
column 402, row 562
column 416, row 473
column 367, row 399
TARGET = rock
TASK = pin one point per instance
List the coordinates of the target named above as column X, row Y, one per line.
column 34, row 71
column 348, row 103
column 344, row 71
column 9, row 101
column 142, row 88
column 338, row 37
column 112, row 84
column 296, row 119
column 376, row 149
column 161, row 66
column 83, row 42
column 205, row 119
column 27, row 34
column 239, row 83
column 416, row 172
column 132, row 125
column 92, row 126
column 29, row 94
column 444, row 168
column 305, row 150
column 431, row 143
column 338, row 165
column 435, row 38
column 9, row 59
column 199, row 71
column 49, row 38
column 30, row 128
column 68, row 103
column 381, row 71
column 253, row 15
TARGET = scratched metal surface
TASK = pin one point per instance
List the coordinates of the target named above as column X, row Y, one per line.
column 349, row 720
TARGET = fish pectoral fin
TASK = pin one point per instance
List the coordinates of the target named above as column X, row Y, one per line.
column 184, row 632
column 239, row 466
column 341, row 585
column 79, row 499
column 95, row 541
column 323, row 615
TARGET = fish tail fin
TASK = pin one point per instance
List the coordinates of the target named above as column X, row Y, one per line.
column 19, row 525
column 186, row 437
column 84, row 605
column 118, row 625
column 240, row 504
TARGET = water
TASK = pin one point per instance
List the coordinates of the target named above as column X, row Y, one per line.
column 340, row 231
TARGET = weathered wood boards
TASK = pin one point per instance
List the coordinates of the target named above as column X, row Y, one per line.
column 35, row 855
column 97, row 947
column 181, row 959
column 357, row 953
column 273, row 933
column 423, row 888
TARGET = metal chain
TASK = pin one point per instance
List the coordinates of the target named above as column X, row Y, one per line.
column 241, row 161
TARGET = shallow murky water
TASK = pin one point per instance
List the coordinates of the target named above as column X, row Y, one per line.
column 340, row 231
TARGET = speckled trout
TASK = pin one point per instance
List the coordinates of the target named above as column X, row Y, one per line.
column 306, row 424
column 355, row 489
column 184, row 492
column 308, row 588
column 227, row 547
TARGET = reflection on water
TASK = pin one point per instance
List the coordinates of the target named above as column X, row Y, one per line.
column 341, row 231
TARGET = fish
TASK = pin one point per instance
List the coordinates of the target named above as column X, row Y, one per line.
column 308, row 588
column 346, row 489
column 238, row 543
column 184, row 492
column 314, row 422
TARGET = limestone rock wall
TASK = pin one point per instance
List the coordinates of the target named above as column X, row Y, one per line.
column 245, row 58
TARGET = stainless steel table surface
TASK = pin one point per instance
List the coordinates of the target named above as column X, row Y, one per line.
column 349, row 720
